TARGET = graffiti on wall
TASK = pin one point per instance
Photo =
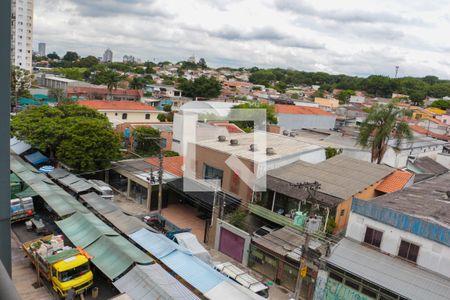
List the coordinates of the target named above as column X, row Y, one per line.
column 329, row 289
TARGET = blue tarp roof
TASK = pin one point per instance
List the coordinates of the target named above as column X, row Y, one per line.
column 200, row 275
column 36, row 158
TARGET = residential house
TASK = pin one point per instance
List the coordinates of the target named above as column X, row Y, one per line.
column 397, row 246
column 126, row 131
column 328, row 104
column 55, row 82
column 103, row 93
column 340, row 178
column 425, row 167
column 357, row 99
column 123, row 111
column 298, row 117
column 163, row 91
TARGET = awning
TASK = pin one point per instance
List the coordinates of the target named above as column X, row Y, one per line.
column 28, row 192
column 98, row 203
column 155, row 243
column 126, row 224
column 114, row 255
column 189, row 241
column 80, row 186
column 230, row 290
column 84, row 229
column 18, row 147
column 389, row 272
column 202, row 194
column 152, row 282
column 58, row 173
column 68, row 180
column 36, row 158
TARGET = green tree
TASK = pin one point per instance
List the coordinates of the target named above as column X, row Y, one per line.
column 57, row 94
column 53, row 55
column 170, row 153
column 71, row 73
column 77, row 136
column 71, row 56
column 167, row 107
column 344, row 96
column 137, row 83
column 417, row 97
column 149, row 67
column 203, row 87
column 88, row 61
column 330, row 152
column 20, row 83
column 146, row 141
column 112, row 80
column 239, row 113
column 380, row 126
column 442, row 104
column 202, row 63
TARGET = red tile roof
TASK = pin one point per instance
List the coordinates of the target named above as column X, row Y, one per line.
column 424, row 131
column 300, row 110
column 116, row 105
column 237, row 83
column 172, row 165
column 394, row 182
column 231, row 128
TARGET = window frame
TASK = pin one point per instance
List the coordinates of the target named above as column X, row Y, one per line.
column 124, row 116
column 408, row 251
column 374, row 231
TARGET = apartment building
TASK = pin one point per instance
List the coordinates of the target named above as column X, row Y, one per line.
column 22, row 33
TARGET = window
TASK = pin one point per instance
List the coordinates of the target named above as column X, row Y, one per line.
column 163, row 143
column 115, row 114
column 342, row 212
column 373, row 237
column 147, row 116
column 408, row 250
column 124, row 116
column 212, row 173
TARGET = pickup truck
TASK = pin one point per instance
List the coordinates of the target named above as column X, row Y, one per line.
column 63, row 267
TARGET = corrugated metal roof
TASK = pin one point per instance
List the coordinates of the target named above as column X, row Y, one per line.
column 58, row 199
column 80, row 186
column 84, row 229
column 340, row 176
column 152, row 282
column 36, row 158
column 126, row 224
column 157, row 244
column 200, row 275
column 101, row 205
column 68, row 180
column 17, row 146
column 193, row 270
column 114, row 255
column 389, row 272
column 58, row 173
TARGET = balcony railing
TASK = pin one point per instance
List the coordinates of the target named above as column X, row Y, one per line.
column 273, row 216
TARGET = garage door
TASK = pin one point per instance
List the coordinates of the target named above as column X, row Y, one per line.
column 231, row 244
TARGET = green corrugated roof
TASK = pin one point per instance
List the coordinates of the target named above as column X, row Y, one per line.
column 62, row 255
column 114, row 255
column 28, row 192
column 59, row 200
column 13, row 178
column 84, row 229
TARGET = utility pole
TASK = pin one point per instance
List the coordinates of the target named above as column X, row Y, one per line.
column 302, row 271
column 160, row 175
column 311, row 188
column 396, row 71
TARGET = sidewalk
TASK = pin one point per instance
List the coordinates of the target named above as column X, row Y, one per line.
column 24, row 275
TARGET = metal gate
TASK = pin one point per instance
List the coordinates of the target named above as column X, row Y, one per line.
column 231, row 244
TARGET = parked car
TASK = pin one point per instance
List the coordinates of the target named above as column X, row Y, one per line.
column 266, row 229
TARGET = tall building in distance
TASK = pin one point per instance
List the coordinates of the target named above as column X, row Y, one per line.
column 129, row 59
column 41, row 49
column 22, row 33
column 107, row 56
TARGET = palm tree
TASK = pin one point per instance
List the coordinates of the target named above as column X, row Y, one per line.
column 112, row 80
column 381, row 126
column 137, row 83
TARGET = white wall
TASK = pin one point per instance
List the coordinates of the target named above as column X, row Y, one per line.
column 131, row 116
column 432, row 255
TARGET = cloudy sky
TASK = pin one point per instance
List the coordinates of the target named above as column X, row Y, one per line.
column 357, row 37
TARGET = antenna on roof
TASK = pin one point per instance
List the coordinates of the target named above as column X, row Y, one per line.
column 396, row 71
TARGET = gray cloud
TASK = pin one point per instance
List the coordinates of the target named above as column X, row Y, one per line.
column 265, row 34
column 301, row 7
column 111, row 8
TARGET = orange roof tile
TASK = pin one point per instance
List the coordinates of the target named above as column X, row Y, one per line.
column 78, row 90
column 394, row 182
column 300, row 110
column 422, row 130
column 116, row 105
column 172, row 165
column 231, row 128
